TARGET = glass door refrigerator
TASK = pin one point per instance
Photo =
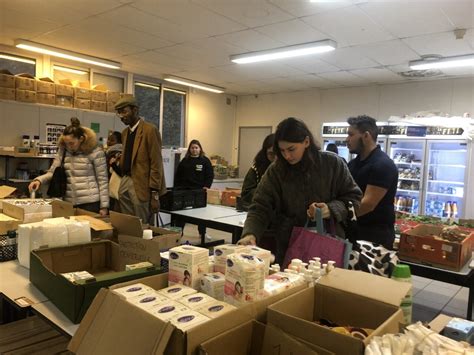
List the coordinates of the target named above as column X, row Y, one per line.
column 445, row 175
column 408, row 155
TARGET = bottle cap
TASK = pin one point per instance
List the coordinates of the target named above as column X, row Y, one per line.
column 401, row 271
column 147, row 234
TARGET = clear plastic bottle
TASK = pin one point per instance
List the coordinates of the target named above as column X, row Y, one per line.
column 402, row 273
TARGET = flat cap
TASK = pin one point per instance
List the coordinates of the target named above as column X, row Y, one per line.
column 126, row 101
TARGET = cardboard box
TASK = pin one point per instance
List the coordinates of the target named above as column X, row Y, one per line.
column 97, row 95
column 133, row 248
column 64, row 101
column 122, row 95
column 7, row 80
column 25, row 212
column 8, row 223
column 64, row 90
column 82, row 93
column 82, row 104
column 255, row 338
column 99, row 106
column 101, row 259
column 7, row 93
column 46, row 86
column 344, row 297
column 419, row 245
column 110, row 106
column 229, row 198
column 25, row 96
column 6, row 191
column 46, row 99
column 113, row 96
column 25, row 82
column 214, row 196
column 150, row 334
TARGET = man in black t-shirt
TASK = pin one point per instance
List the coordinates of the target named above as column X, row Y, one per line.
column 377, row 176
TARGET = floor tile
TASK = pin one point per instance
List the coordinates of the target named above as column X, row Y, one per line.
column 432, row 298
column 442, row 290
column 423, row 313
column 454, row 311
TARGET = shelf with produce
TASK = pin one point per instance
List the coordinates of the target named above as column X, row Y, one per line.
column 461, row 183
column 444, row 194
column 409, row 191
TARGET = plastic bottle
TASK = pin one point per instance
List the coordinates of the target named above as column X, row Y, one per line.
column 454, row 209
column 402, row 273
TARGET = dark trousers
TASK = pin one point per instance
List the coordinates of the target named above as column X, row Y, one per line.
column 379, row 233
column 92, row 207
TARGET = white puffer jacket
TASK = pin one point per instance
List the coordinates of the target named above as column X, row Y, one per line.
column 86, row 171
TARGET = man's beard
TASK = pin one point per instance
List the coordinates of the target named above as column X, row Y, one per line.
column 359, row 148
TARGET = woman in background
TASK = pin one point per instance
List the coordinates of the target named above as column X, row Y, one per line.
column 86, row 169
column 261, row 162
column 194, row 172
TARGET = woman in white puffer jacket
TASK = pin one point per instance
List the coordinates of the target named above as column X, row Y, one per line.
column 85, row 166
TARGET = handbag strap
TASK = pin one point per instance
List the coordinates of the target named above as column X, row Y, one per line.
column 319, row 222
column 64, row 156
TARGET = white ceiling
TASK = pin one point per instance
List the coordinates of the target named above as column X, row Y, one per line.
column 194, row 38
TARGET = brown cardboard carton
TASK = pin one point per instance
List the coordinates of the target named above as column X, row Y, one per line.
column 27, row 213
column 97, row 95
column 82, row 103
column 229, row 197
column 214, row 196
column 99, row 106
column 67, row 82
column 345, row 297
column 83, row 84
column 113, row 96
column 25, row 82
column 25, row 96
column 7, row 80
column 46, row 99
column 110, row 106
column 8, row 223
column 122, row 95
column 7, row 93
column 46, row 86
column 93, row 337
column 64, row 90
column 64, row 101
column 100, row 87
column 6, row 191
column 82, row 93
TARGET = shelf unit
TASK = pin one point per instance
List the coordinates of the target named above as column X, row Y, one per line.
column 7, row 158
column 406, row 163
column 408, row 179
column 409, row 191
column 443, row 194
column 447, row 182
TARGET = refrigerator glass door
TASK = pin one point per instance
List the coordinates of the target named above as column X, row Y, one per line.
column 340, row 143
column 408, row 157
column 382, row 142
column 446, row 171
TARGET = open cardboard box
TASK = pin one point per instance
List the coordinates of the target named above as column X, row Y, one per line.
column 114, row 326
column 27, row 213
column 101, row 259
column 348, row 298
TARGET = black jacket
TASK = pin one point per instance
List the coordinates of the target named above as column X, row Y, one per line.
column 194, row 173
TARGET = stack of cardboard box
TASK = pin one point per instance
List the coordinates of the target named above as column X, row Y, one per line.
column 99, row 98
column 46, row 91
column 64, row 93
column 82, row 96
column 112, row 98
column 7, row 85
column 25, row 88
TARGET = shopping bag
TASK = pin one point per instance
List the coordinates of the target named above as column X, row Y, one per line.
column 373, row 258
column 114, row 185
column 306, row 243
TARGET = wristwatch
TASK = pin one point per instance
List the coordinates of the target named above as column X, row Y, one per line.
column 154, row 195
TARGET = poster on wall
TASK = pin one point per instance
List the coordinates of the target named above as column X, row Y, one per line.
column 53, row 132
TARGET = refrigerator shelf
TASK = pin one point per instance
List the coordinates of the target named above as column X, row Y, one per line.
column 409, row 179
column 449, row 165
column 449, row 151
column 447, row 182
column 413, row 149
column 412, row 191
column 405, row 163
column 443, row 194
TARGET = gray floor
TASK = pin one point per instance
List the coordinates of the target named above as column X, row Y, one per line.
column 430, row 298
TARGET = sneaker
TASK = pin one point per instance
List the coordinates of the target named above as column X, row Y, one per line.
column 208, row 237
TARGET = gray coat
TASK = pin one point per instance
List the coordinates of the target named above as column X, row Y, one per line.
column 285, row 193
column 86, row 170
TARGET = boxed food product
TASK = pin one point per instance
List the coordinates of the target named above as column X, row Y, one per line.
column 244, row 279
column 148, row 300
column 25, row 82
column 46, row 99
column 98, row 106
column 167, row 310
column 188, row 319
column 7, row 79
column 132, row 291
column 82, row 93
column 7, row 93
column 64, row 90
column 177, row 291
column 281, row 281
column 196, row 300
column 221, row 252
column 264, row 254
column 215, row 309
column 187, row 264
column 25, row 96
column 212, row 284
column 82, row 103
column 64, row 101
column 46, row 86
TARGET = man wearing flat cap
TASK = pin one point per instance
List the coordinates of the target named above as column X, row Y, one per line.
column 141, row 163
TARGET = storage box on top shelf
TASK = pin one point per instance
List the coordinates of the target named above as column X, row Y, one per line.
column 101, row 259
column 425, row 244
column 133, row 248
column 25, row 96
column 82, row 93
column 346, row 298
column 65, row 88
column 7, row 93
column 46, row 99
column 7, row 79
column 25, row 82
column 150, row 334
column 64, row 101
column 110, row 106
column 99, row 106
column 46, row 86
column 122, row 95
column 82, row 104
column 99, row 92
column 113, row 96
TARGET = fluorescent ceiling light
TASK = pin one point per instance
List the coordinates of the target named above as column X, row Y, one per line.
column 70, row 70
column 441, row 63
column 17, row 59
column 156, row 87
column 195, row 84
column 62, row 53
column 285, row 52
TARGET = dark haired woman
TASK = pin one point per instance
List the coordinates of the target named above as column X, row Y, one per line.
column 194, row 172
column 303, row 177
column 85, row 166
column 261, row 162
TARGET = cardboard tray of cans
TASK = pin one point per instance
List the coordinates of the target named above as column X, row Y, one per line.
column 425, row 244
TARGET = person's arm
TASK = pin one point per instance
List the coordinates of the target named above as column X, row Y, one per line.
column 209, row 171
column 45, row 178
column 156, row 160
column 100, row 166
column 248, row 187
column 372, row 197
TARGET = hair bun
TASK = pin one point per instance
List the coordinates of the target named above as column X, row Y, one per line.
column 75, row 122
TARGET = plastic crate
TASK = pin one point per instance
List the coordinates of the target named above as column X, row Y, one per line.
column 175, row 200
column 8, row 246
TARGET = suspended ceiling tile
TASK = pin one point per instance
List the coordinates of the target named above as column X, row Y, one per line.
column 292, row 32
column 377, row 75
column 348, row 26
column 444, row 44
column 27, row 22
column 344, row 78
column 258, row 71
column 389, row 52
column 349, row 58
column 315, row 81
column 311, row 64
column 300, row 8
column 250, row 13
column 249, row 40
column 408, row 18
column 459, row 12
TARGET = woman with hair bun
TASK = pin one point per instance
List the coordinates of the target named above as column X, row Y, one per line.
column 85, row 166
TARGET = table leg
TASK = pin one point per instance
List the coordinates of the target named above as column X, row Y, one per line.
column 470, row 300
column 236, row 235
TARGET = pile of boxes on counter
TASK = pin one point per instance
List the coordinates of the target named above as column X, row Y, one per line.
column 226, row 197
column 66, row 93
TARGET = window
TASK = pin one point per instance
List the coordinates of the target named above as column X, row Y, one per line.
column 174, row 108
column 148, row 99
column 61, row 72
column 17, row 65
column 113, row 83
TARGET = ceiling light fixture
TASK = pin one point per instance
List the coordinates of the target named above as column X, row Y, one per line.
column 194, row 84
column 285, row 52
column 17, row 59
column 70, row 70
column 62, row 53
column 443, row 62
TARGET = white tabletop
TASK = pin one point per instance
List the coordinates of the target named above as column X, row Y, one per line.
column 237, row 220
column 54, row 315
column 209, row 212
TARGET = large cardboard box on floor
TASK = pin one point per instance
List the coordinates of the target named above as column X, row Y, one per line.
column 114, row 326
column 100, row 258
column 133, row 248
column 347, row 298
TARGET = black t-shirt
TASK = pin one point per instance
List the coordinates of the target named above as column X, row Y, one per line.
column 194, row 173
column 377, row 170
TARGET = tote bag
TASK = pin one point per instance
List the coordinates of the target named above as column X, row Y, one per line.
column 114, row 185
column 306, row 243
column 58, row 183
